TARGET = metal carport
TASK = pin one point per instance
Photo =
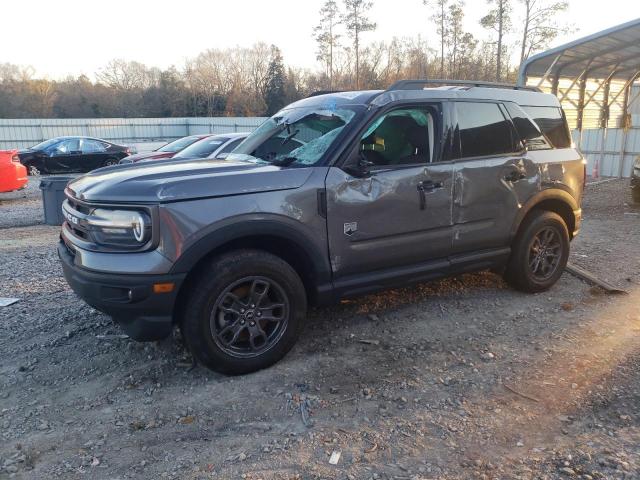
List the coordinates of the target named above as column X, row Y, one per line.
column 593, row 78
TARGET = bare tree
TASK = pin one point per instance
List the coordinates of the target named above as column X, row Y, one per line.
column 125, row 75
column 326, row 37
column 539, row 27
column 357, row 22
column 499, row 20
column 441, row 18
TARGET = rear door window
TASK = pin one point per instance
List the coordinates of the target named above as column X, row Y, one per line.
column 231, row 146
column 484, row 130
column 552, row 123
column 92, row 146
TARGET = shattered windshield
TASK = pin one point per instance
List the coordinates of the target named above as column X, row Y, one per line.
column 296, row 136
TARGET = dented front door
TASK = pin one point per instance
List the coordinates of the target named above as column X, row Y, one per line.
column 393, row 218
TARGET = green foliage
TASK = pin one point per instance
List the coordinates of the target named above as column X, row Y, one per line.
column 275, row 94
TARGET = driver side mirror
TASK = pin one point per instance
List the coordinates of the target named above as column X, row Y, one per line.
column 359, row 166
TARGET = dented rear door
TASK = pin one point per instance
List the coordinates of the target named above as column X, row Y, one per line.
column 493, row 177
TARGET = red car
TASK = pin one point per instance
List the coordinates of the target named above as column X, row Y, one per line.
column 13, row 175
column 167, row 151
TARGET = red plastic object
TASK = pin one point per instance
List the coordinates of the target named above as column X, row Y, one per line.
column 13, row 175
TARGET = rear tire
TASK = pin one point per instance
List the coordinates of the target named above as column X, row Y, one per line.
column 635, row 195
column 539, row 253
column 110, row 162
column 244, row 312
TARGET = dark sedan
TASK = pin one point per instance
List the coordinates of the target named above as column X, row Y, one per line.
column 71, row 154
column 166, row 151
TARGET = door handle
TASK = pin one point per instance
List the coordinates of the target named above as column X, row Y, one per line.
column 424, row 187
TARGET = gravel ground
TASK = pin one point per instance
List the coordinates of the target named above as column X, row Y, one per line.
column 463, row 378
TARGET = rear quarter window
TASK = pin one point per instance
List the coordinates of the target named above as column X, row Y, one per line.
column 552, row 122
column 527, row 129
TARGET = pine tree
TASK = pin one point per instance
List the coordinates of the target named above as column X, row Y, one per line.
column 326, row 37
column 499, row 20
column 441, row 17
column 356, row 23
column 275, row 94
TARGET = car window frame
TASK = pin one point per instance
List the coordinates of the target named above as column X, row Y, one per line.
column 441, row 118
column 519, row 148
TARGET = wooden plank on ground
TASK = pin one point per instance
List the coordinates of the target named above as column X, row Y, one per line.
column 590, row 278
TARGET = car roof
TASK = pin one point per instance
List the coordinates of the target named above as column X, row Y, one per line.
column 521, row 97
column 67, row 137
column 226, row 135
column 446, row 92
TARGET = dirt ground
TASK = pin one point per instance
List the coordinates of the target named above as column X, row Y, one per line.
column 458, row 379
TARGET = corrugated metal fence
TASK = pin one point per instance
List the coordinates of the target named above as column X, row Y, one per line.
column 22, row 133
column 148, row 133
column 617, row 145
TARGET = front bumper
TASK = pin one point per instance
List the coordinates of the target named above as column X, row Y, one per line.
column 129, row 299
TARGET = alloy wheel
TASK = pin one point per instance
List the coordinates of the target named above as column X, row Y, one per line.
column 249, row 317
column 545, row 253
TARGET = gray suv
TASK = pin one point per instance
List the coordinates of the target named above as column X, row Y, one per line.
column 336, row 195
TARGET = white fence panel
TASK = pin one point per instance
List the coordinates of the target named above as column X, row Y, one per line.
column 609, row 158
column 22, row 133
column 149, row 133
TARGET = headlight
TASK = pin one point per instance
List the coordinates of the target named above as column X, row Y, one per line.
column 120, row 228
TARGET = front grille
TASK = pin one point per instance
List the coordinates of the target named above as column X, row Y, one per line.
column 75, row 213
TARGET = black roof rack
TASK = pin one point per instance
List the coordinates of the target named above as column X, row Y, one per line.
column 420, row 84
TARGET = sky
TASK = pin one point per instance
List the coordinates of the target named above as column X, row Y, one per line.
column 71, row 37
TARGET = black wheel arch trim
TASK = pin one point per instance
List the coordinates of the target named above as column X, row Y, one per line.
column 243, row 227
column 556, row 194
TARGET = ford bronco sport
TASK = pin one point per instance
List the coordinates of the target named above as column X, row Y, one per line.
column 334, row 196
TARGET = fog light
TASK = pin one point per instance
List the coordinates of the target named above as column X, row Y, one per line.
column 163, row 287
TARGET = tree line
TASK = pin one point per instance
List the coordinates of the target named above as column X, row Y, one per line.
column 255, row 81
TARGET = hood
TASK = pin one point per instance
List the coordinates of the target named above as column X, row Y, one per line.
column 149, row 156
column 183, row 180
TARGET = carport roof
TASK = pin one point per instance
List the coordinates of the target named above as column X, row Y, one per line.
column 613, row 53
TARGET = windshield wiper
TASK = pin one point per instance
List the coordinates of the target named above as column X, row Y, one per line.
column 289, row 136
column 284, row 162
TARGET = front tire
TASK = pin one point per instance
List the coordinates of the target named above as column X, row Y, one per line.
column 245, row 311
column 539, row 253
